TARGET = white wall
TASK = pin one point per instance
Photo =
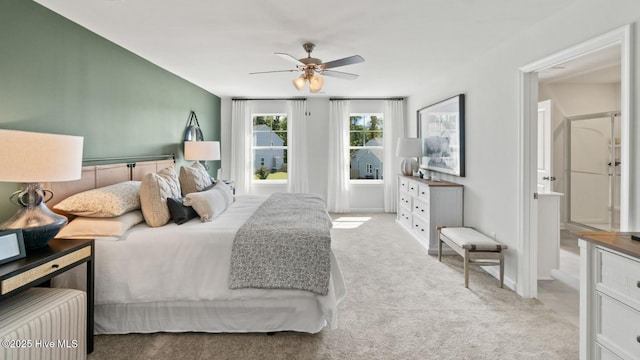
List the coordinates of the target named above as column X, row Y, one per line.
column 492, row 88
column 571, row 99
column 363, row 197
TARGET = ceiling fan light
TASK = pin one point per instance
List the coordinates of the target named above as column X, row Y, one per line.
column 299, row 82
column 315, row 83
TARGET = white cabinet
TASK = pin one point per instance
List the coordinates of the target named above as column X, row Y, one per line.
column 609, row 296
column 423, row 205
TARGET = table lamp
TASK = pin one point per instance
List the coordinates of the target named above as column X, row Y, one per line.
column 202, row 151
column 409, row 149
column 31, row 158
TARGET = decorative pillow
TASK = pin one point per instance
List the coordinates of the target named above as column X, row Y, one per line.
column 105, row 228
column 109, row 201
column 226, row 191
column 194, row 178
column 154, row 191
column 208, row 204
column 180, row 214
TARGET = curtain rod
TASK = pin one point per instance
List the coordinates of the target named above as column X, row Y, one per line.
column 257, row 99
column 393, row 98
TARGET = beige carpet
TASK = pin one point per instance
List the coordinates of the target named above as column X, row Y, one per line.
column 401, row 304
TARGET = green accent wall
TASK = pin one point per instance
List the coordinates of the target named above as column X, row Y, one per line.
column 58, row 77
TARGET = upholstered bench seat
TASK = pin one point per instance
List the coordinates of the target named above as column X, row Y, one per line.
column 474, row 247
column 43, row 323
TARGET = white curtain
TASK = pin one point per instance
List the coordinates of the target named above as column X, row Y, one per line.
column 297, row 160
column 338, row 156
column 241, row 168
column 393, row 128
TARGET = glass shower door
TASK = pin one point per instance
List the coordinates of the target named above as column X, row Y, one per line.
column 594, row 171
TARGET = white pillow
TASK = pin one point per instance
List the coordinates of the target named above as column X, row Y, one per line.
column 108, row 201
column 208, row 204
column 226, row 191
column 154, row 191
column 106, row 228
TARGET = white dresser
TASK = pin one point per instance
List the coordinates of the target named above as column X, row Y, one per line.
column 609, row 296
column 423, row 205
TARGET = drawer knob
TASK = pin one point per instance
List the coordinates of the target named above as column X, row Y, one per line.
column 638, row 338
column 55, row 266
column 638, row 284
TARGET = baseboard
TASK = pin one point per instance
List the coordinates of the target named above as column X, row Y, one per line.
column 495, row 272
column 366, row 210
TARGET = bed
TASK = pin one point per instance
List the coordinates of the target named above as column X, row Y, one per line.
column 176, row 278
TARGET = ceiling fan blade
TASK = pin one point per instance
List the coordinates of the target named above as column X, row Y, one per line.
column 340, row 74
column 274, row 71
column 290, row 58
column 355, row 59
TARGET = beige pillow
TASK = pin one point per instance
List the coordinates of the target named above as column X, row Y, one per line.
column 109, row 201
column 208, row 204
column 194, row 178
column 154, row 191
column 103, row 228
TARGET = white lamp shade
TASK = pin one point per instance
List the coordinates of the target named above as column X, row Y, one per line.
column 202, row 150
column 409, row 147
column 30, row 157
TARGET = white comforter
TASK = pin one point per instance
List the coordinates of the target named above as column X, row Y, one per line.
column 186, row 262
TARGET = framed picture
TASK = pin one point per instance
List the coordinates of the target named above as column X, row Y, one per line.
column 441, row 129
column 11, row 246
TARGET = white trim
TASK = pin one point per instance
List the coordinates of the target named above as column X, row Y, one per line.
column 527, row 220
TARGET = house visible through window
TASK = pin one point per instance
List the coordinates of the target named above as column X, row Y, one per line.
column 366, row 146
column 269, row 147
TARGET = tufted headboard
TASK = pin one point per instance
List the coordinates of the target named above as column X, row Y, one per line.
column 95, row 176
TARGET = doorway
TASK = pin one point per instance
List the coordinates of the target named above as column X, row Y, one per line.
column 527, row 204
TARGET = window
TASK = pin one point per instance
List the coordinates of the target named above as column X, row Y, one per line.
column 366, row 146
column 269, row 147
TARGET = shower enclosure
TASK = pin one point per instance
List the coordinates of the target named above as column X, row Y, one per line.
column 594, row 171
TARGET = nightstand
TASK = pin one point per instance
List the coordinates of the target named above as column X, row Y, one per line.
column 231, row 185
column 40, row 265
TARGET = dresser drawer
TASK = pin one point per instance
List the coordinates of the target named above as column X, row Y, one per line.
column 412, row 188
column 619, row 276
column 404, row 216
column 423, row 193
column 43, row 270
column 618, row 326
column 420, row 208
column 420, row 226
column 604, row 354
column 405, row 200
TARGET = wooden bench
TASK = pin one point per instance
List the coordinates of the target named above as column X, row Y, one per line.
column 474, row 247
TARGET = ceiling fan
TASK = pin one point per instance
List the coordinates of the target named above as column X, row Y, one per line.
column 312, row 68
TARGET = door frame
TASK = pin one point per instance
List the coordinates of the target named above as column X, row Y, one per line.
column 527, row 221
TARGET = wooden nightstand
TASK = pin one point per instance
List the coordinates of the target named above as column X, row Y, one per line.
column 40, row 265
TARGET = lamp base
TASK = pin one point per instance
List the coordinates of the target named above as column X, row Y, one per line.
column 38, row 224
column 408, row 167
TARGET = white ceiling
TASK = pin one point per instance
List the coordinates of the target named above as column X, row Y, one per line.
column 216, row 44
column 600, row 67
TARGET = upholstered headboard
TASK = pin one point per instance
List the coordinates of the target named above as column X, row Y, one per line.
column 95, row 176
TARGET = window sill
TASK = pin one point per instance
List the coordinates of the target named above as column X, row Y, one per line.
column 366, row 182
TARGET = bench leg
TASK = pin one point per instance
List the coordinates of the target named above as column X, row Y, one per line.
column 439, row 248
column 501, row 270
column 466, row 268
